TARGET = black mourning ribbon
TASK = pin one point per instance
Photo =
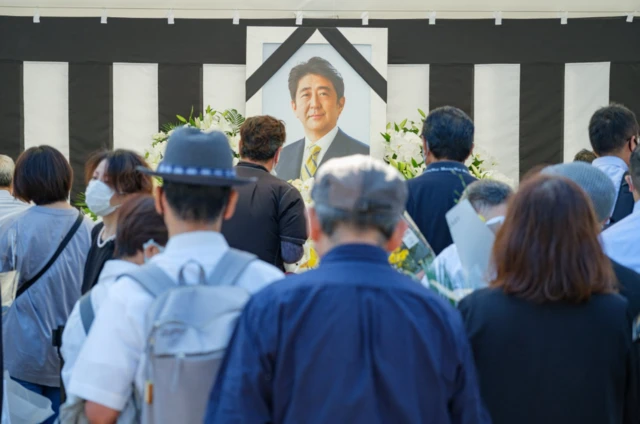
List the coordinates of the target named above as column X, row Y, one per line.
column 296, row 40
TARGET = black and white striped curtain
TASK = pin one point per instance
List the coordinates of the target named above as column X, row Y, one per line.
column 526, row 113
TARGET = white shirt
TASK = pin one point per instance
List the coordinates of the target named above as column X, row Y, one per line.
column 74, row 335
column 621, row 242
column 324, row 143
column 108, row 363
column 615, row 168
column 10, row 205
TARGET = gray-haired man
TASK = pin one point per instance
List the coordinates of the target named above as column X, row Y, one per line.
column 8, row 204
column 353, row 341
column 489, row 199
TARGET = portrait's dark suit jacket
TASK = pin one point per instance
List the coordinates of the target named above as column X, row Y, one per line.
column 291, row 158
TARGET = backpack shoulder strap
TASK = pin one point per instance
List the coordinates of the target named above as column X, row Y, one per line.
column 230, row 268
column 151, row 278
column 87, row 314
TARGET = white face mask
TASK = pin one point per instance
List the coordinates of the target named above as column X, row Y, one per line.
column 98, row 198
column 151, row 242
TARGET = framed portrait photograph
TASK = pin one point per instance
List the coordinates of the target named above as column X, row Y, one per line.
column 327, row 85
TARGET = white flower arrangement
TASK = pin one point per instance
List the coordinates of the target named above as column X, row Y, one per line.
column 228, row 121
column 310, row 258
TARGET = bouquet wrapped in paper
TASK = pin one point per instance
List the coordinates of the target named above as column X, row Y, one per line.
column 416, row 258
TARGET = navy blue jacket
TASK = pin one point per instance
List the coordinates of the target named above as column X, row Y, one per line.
column 351, row 342
column 431, row 195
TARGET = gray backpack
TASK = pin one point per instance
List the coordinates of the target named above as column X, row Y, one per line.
column 187, row 330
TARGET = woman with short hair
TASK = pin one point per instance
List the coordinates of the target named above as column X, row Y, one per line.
column 112, row 177
column 43, row 176
column 551, row 338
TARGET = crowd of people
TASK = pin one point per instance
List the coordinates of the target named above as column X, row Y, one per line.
column 175, row 307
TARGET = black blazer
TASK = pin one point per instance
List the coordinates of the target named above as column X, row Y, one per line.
column 629, row 281
column 624, row 204
column 291, row 158
column 553, row 363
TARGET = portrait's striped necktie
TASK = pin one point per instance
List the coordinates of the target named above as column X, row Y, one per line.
column 311, row 165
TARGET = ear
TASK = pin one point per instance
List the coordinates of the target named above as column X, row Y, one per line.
column 315, row 229
column 231, row 205
column 470, row 151
column 396, row 238
column 158, row 196
column 276, row 157
column 240, row 147
column 294, row 107
column 151, row 251
column 629, row 181
column 341, row 103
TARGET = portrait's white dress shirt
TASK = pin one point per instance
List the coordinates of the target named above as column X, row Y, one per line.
column 324, row 143
column 615, row 168
column 621, row 242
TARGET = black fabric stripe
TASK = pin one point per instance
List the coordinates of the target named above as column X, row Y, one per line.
column 451, row 85
column 11, row 109
column 179, row 90
column 90, row 115
column 353, row 57
column 277, row 60
column 541, row 115
column 410, row 41
column 624, row 85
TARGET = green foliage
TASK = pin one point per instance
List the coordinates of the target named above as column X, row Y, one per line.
column 81, row 203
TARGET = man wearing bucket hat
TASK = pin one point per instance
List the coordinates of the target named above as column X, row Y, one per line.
column 196, row 196
column 353, row 341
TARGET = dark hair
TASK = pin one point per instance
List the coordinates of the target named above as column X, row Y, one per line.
column 195, row 202
column 634, row 168
column 139, row 222
column 121, row 173
column 611, row 127
column 315, row 66
column 42, row 176
column 448, row 132
column 261, row 137
column 585, row 155
column 547, row 250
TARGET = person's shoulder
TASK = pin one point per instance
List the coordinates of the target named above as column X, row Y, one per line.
column 293, row 146
column 96, row 230
column 259, row 275
column 481, row 297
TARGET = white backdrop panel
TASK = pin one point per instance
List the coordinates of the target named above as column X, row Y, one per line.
column 497, row 116
column 224, row 87
column 408, row 91
column 135, row 105
column 46, row 105
column 586, row 89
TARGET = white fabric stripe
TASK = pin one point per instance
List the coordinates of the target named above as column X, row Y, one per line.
column 135, row 105
column 46, row 105
column 224, row 87
column 586, row 88
column 497, row 117
column 408, row 91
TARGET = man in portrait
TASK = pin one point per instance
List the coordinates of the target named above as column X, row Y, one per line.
column 317, row 100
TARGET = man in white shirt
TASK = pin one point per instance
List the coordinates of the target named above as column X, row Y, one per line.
column 489, row 199
column 317, row 99
column 8, row 204
column 621, row 242
column 613, row 131
column 196, row 196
